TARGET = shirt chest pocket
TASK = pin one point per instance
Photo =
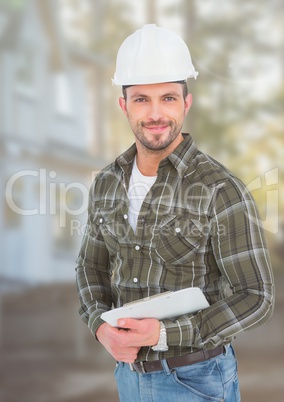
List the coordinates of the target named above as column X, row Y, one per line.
column 180, row 238
column 107, row 226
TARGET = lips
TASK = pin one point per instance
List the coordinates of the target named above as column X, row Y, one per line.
column 156, row 127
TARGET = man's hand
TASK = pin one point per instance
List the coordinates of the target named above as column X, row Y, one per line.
column 124, row 343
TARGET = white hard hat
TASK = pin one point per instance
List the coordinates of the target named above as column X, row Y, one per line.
column 153, row 55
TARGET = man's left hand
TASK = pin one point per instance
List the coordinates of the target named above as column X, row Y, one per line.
column 145, row 332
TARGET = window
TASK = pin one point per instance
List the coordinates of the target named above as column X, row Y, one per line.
column 25, row 78
column 62, row 94
column 3, row 23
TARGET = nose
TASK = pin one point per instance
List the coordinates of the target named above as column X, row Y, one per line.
column 155, row 111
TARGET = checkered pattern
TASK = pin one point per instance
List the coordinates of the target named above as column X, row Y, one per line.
column 198, row 226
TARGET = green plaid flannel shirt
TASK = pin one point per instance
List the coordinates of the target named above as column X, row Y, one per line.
column 198, row 226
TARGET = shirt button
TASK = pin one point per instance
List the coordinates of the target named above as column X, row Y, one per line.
column 137, row 247
column 125, row 216
column 135, row 280
column 177, row 230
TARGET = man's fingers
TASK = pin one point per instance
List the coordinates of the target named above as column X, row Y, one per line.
column 128, row 355
column 129, row 323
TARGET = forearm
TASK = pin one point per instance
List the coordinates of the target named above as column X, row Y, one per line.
column 221, row 322
column 93, row 278
column 238, row 252
column 94, row 295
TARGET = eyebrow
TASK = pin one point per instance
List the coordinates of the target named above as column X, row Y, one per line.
column 141, row 95
column 172, row 94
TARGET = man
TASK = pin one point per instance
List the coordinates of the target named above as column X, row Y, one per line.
column 165, row 216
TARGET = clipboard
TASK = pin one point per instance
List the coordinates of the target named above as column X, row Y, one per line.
column 164, row 305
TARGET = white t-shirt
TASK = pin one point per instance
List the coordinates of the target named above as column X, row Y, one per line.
column 139, row 186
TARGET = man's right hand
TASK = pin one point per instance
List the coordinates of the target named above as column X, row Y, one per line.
column 117, row 344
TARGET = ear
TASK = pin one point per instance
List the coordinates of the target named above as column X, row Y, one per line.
column 188, row 103
column 122, row 104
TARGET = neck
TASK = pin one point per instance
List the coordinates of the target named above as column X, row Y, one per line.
column 148, row 160
column 148, row 165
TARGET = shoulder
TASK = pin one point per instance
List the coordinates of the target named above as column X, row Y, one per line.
column 208, row 170
column 110, row 172
column 104, row 178
column 216, row 179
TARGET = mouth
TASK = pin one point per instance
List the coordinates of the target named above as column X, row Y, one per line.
column 157, row 128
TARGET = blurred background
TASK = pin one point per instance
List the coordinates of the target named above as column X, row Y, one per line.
column 60, row 124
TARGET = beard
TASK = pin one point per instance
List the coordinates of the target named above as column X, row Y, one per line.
column 157, row 142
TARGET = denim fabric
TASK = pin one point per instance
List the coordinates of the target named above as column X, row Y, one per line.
column 212, row 380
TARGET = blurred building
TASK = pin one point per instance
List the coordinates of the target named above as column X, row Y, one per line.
column 49, row 145
column 50, row 150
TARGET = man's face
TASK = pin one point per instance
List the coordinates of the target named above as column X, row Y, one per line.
column 156, row 114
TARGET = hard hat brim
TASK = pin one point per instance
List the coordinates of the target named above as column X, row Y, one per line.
column 152, row 80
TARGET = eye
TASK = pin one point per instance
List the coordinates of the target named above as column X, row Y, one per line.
column 170, row 98
column 140, row 100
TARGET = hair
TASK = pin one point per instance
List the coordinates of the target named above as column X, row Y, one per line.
column 183, row 83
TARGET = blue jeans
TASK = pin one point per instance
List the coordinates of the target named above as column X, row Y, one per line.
column 212, row 380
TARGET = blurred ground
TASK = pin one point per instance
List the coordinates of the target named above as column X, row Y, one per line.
column 60, row 368
column 261, row 356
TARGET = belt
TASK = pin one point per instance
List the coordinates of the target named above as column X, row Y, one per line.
column 177, row 361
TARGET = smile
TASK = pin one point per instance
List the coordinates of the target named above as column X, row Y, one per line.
column 156, row 128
